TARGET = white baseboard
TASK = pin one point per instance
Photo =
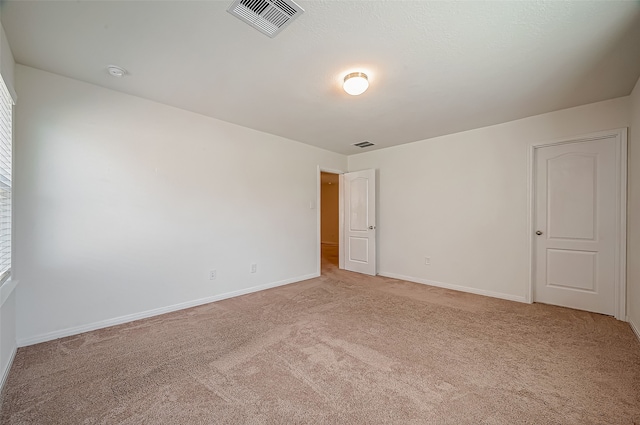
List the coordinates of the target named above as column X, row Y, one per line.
column 5, row 373
column 634, row 328
column 520, row 299
column 155, row 312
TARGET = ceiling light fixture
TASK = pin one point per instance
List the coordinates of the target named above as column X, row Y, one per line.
column 116, row 71
column 356, row 83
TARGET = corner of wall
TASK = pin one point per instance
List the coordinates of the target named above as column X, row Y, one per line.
column 633, row 211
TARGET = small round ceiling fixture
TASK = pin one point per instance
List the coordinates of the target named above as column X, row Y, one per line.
column 116, row 71
column 356, row 83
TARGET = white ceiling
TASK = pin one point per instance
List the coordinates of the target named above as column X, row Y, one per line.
column 435, row 67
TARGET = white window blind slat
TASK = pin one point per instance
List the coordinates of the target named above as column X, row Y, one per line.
column 6, row 138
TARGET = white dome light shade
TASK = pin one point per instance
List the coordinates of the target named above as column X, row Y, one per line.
column 356, row 83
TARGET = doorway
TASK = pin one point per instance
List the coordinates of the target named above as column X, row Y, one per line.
column 329, row 221
column 578, row 223
column 356, row 218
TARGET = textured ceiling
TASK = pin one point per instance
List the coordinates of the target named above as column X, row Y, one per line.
column 435, row 67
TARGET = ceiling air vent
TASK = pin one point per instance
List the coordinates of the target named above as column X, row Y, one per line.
column 267, row 16
column 364, row 144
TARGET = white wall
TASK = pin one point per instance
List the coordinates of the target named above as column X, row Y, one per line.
column 8, row 344
column 633, row 225
column 329, row 230
column 7, row 63
column 123, row 206
column 462, row 199
column 7, row 293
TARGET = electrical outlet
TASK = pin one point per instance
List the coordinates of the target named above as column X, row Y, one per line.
column 427, row 261
column 254, row 268
column 213, row 274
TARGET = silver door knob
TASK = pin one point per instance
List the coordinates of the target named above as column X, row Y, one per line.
column 539, row 232
column 372, row 227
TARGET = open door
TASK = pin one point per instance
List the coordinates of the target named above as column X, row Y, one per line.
column 360, row 222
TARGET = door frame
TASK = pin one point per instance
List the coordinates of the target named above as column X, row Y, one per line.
column 340, row 215
column 620, row 255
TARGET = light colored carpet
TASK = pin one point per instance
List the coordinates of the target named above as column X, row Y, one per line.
column 340, row 349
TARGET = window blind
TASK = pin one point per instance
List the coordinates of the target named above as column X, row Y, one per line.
column 6, row 126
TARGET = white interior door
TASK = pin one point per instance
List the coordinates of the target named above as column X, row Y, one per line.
column 577, row 229
column 360, row 221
